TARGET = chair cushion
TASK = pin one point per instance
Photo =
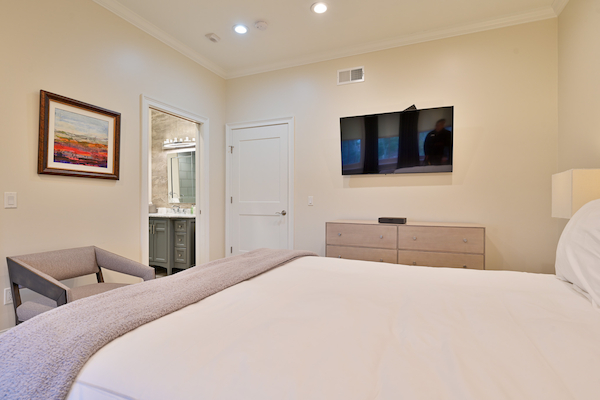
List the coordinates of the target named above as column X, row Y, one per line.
column 30, row 309
column 95, row 288
column 63, row 264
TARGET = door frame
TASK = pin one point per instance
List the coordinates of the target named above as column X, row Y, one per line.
column 202, row 175
column 290, row 121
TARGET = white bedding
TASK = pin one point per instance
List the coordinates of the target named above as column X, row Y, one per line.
column 325, row 328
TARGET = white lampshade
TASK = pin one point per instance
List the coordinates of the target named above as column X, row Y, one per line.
column 572, row 189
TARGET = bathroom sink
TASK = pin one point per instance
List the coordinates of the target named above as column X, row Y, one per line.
column 171, row 215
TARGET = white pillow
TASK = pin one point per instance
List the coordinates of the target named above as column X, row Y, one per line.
column 578, row 252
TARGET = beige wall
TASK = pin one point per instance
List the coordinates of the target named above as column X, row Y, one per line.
column 80, row 50
column 579, row 85
column 503, row 84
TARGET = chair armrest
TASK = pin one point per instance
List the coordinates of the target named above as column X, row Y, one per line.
column 25, row 275
column 114, row 262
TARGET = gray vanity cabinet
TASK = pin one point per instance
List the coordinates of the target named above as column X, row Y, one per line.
column 160, row 243
column 172, row 243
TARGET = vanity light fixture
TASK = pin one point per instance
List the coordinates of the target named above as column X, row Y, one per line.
column 241, row 29
column 179, row 143
column 319, row 8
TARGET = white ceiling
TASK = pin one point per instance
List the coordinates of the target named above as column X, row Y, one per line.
column 297, row 36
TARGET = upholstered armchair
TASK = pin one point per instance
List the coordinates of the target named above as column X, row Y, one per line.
column 42, row 273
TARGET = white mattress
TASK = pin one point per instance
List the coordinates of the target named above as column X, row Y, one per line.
column 324, row 328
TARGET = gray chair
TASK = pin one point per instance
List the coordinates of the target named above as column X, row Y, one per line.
column 42, row 273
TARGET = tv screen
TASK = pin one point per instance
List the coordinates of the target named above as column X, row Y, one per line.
column 411, row 141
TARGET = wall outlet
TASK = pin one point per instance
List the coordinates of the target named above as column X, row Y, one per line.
column 7, row 296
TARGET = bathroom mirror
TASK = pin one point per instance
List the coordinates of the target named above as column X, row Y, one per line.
column 181, row 177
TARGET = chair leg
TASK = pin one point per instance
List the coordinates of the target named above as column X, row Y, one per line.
column 16, row 295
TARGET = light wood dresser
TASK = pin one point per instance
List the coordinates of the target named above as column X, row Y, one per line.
column 415, row 243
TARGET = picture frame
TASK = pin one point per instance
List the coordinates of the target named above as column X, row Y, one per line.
column 78, row 139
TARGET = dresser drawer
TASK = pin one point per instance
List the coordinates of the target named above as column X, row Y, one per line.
column 382, row 237
column 452, row 240
column 433, row 259
column 362, row 253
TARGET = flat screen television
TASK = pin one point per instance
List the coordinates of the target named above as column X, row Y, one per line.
column 410, row 141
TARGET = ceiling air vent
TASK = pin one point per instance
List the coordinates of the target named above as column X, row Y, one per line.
column 351, row 75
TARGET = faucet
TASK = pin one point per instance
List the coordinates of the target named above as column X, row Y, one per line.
column 176, row 209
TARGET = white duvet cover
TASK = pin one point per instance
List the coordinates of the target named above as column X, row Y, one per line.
column 325, row 328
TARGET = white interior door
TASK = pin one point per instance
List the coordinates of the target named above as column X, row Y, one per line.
column 259, row 212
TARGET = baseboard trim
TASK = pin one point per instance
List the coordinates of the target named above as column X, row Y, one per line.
column 3, row 331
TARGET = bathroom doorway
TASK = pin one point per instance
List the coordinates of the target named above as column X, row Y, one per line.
column 174, row 216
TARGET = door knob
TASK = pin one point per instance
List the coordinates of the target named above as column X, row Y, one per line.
column 281, row 213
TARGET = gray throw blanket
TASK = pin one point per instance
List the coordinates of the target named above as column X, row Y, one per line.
column 40, row 358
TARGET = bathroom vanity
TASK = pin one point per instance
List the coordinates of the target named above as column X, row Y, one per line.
column 172, row 241
column 172, row 224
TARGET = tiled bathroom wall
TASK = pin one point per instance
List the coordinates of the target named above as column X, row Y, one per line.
column 166, row 126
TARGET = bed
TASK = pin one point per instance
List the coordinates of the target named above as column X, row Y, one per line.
column 324, row 328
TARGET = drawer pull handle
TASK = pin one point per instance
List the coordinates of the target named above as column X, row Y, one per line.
column 414, row 238
column 381, row 260
column 464, row 266
column 465, row 240
column 339, row 256
column 414, row 263
column 380, row 236
column 339, row 234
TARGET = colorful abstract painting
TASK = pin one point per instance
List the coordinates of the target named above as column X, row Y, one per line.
column 80, row 140
column 77, row 138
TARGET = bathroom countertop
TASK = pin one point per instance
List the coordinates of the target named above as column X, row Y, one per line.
column 175, row 216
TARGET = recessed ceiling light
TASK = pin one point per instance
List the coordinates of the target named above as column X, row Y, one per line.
column 241, row 29
column 319, row 8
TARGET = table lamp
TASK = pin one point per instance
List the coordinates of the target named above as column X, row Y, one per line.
column 572, row 189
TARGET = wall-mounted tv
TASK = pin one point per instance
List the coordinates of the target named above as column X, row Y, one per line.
column 410, row 141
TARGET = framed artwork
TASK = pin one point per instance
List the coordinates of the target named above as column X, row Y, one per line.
column 77, row 139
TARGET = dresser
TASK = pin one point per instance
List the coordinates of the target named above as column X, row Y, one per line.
column 415, row 243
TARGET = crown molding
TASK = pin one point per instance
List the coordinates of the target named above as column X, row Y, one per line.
column 536, row 15
column 517, row 19
column 558, row 6
column 133, row 18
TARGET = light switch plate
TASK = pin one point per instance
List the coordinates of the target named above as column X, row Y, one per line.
column 7, row 296
column 10, row 199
